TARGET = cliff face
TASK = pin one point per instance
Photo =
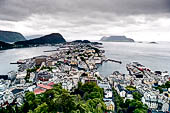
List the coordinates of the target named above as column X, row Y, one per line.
column 8, row 36
column 53, row 38
column 117, row 39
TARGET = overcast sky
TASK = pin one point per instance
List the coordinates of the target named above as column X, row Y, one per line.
column 142, row 20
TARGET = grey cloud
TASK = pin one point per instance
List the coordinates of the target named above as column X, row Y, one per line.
column 77, row 18
column 128, row 6
column 17, row 10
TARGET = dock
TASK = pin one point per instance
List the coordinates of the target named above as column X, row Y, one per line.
column 50, row 51
column 17, row 63
column 116, row 61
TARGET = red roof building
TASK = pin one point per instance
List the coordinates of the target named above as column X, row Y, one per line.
column 39, row 91
column 51, row 84
column 44, row 86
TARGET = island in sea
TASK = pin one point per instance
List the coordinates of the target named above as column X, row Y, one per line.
column 9, row 36
column 116, row 39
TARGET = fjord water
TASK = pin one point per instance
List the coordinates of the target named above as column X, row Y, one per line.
column 154, row 56
column 13, row 55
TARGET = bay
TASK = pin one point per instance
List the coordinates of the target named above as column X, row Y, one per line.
column 153, row 56
column 13, row 55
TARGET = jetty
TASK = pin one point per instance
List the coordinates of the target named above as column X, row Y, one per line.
column 50, row 50
column 17, row 63
column 111, row 60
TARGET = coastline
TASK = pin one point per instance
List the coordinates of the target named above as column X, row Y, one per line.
column 72, row 63
column 69, row 61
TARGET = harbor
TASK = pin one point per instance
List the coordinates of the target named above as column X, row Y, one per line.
column 69, row 64
column 72, row 63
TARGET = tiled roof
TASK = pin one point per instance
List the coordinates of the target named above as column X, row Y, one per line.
column 44, row 86
column 39, row 91
column 51, row 83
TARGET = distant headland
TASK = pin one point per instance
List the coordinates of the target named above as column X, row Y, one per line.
column 53, row 38
column 116, row 39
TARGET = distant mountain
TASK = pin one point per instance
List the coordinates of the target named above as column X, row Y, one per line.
column 4, row 45
column 8, row 36
column 116, row 39
column 53, row 38
column 33, row 37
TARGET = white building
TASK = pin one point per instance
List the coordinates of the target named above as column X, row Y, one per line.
column 108, row 93
column 165, row 107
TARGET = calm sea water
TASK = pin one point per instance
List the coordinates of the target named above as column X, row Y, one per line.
column 154, row 56
column 13, row 55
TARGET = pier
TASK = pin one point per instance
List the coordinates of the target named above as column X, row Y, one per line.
column 116, row 61
column 17, row 63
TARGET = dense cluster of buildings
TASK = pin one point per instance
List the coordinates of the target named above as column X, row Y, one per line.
column 144, row 81
column 73, row 63
column 70, row 64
